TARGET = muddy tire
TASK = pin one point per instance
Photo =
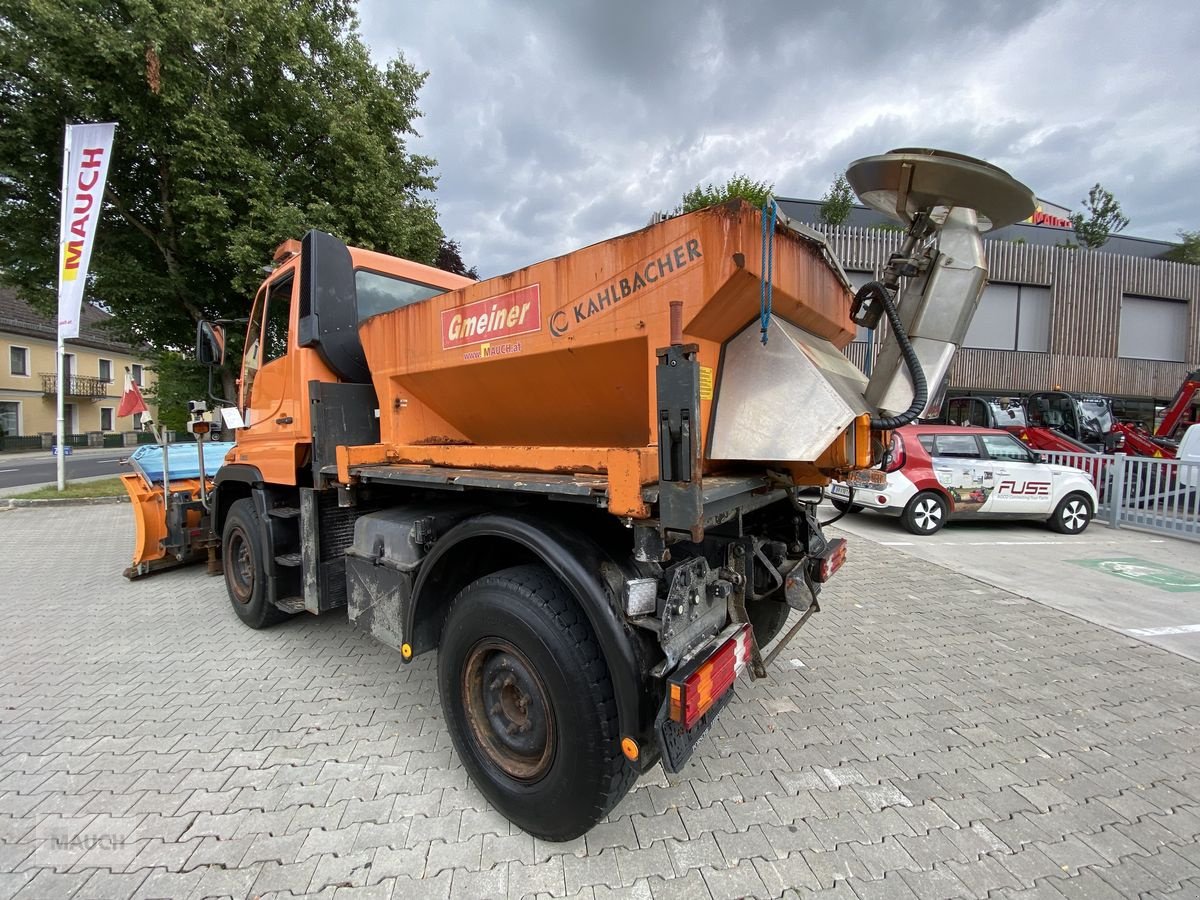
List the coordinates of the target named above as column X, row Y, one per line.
column 1072, row 514
column 529, row 703
column 925, row 514
column 242, row 560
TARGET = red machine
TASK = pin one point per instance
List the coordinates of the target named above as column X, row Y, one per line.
column 1174, row 422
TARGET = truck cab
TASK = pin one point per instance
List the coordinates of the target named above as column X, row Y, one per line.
column 294, row 339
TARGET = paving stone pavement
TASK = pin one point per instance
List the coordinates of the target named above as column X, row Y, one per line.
column 923, row 737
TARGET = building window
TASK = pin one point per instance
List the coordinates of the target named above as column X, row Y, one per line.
column 106, row 418
column 137, row 421
column 1012, row 317
column 10, row 418
column 18, row 360
column 137, row 374
column 1153, row 328
column 106, row 370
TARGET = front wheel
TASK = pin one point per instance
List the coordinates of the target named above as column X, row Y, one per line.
column 925, row 514
column 1072, row 515
column 529, row 703
column 243, row 563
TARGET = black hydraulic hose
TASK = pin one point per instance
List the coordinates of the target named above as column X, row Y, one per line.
column 920, row 387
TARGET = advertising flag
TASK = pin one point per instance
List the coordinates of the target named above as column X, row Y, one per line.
column 131, row 399
column 85, row 168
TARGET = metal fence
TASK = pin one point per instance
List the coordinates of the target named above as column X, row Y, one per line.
column 1161, row 495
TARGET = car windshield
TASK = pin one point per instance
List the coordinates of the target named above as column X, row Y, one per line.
column 1096, row 416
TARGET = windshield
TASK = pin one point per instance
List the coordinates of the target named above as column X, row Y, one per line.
column 1095, row 416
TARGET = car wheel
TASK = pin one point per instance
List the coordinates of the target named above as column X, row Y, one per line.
column 843, row 506
column 1072, row 515
column 242, row 561
column 926, row 513
column 529, row 703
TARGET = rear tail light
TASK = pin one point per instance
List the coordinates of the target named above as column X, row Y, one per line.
column 830, row 561
column 896, row 456
column 696, row 687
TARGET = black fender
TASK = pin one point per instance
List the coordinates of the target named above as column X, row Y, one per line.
column 570, row 554
column 241, row 480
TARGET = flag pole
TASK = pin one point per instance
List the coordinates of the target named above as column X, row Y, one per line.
column 62, row 230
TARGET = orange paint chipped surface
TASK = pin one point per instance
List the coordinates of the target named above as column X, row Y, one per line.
column 562, row 354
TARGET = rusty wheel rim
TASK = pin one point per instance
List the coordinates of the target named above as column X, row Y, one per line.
column 240, row 567
column 508, row 711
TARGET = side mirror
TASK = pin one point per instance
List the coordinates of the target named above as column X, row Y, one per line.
column 210, row 344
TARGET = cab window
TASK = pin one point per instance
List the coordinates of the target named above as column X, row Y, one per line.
column 252, row 355
column 377, row 293
column 1002, row 446
column 959, row 446
column 279, row 307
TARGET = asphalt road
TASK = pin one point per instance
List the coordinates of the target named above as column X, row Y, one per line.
column 16, row 471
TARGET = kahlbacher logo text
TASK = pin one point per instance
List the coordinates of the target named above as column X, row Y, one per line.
column 505, row 315
column 629, row 282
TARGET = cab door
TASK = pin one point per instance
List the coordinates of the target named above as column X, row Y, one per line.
column 1023, row 486
column 267, row 394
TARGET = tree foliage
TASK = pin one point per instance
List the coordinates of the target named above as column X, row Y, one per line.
column 240, row 123
column 738, row 187
column 1187, row 250
column 178, row 378
column 450, row 259
column 1104, row 218
column 837, row 202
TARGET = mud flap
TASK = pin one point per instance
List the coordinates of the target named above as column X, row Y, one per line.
column 674, row 742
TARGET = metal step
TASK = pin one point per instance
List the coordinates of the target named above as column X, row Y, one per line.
column 291, row 604
column 284, row 512
column 289, row 559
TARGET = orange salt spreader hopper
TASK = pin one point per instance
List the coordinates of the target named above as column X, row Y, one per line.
column 556, row 367
column 698, row 346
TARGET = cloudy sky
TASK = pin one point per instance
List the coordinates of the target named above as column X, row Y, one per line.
column 557, row 123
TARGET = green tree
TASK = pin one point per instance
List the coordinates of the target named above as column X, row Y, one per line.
column 1187, row 250
column 837, row 202
column 240, row 123
column 178, row 378
column 738, row 187
column 1104, row 218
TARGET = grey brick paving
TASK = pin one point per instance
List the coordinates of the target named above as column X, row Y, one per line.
column 939, row 741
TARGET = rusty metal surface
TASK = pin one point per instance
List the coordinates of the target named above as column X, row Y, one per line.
column 586, row 487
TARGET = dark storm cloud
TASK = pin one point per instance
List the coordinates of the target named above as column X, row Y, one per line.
column 556, row 124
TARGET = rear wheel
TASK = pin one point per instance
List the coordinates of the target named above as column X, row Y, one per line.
column 1072, row 514
column 242, row 561
column 843, row 506
column 926, row 513
column 529, row 703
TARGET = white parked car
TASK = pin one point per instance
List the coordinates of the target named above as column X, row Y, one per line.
column 937, row 471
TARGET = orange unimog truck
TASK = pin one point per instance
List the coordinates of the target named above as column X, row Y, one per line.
column 590, row 485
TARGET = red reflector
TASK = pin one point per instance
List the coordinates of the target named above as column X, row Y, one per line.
column 831, row 560
column 695, row 689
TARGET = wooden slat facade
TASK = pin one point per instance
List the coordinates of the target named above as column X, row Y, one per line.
column 1086, row 288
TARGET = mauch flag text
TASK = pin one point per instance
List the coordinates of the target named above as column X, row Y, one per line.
column 85, row 171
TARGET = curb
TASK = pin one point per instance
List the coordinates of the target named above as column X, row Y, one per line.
column 9, row 503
